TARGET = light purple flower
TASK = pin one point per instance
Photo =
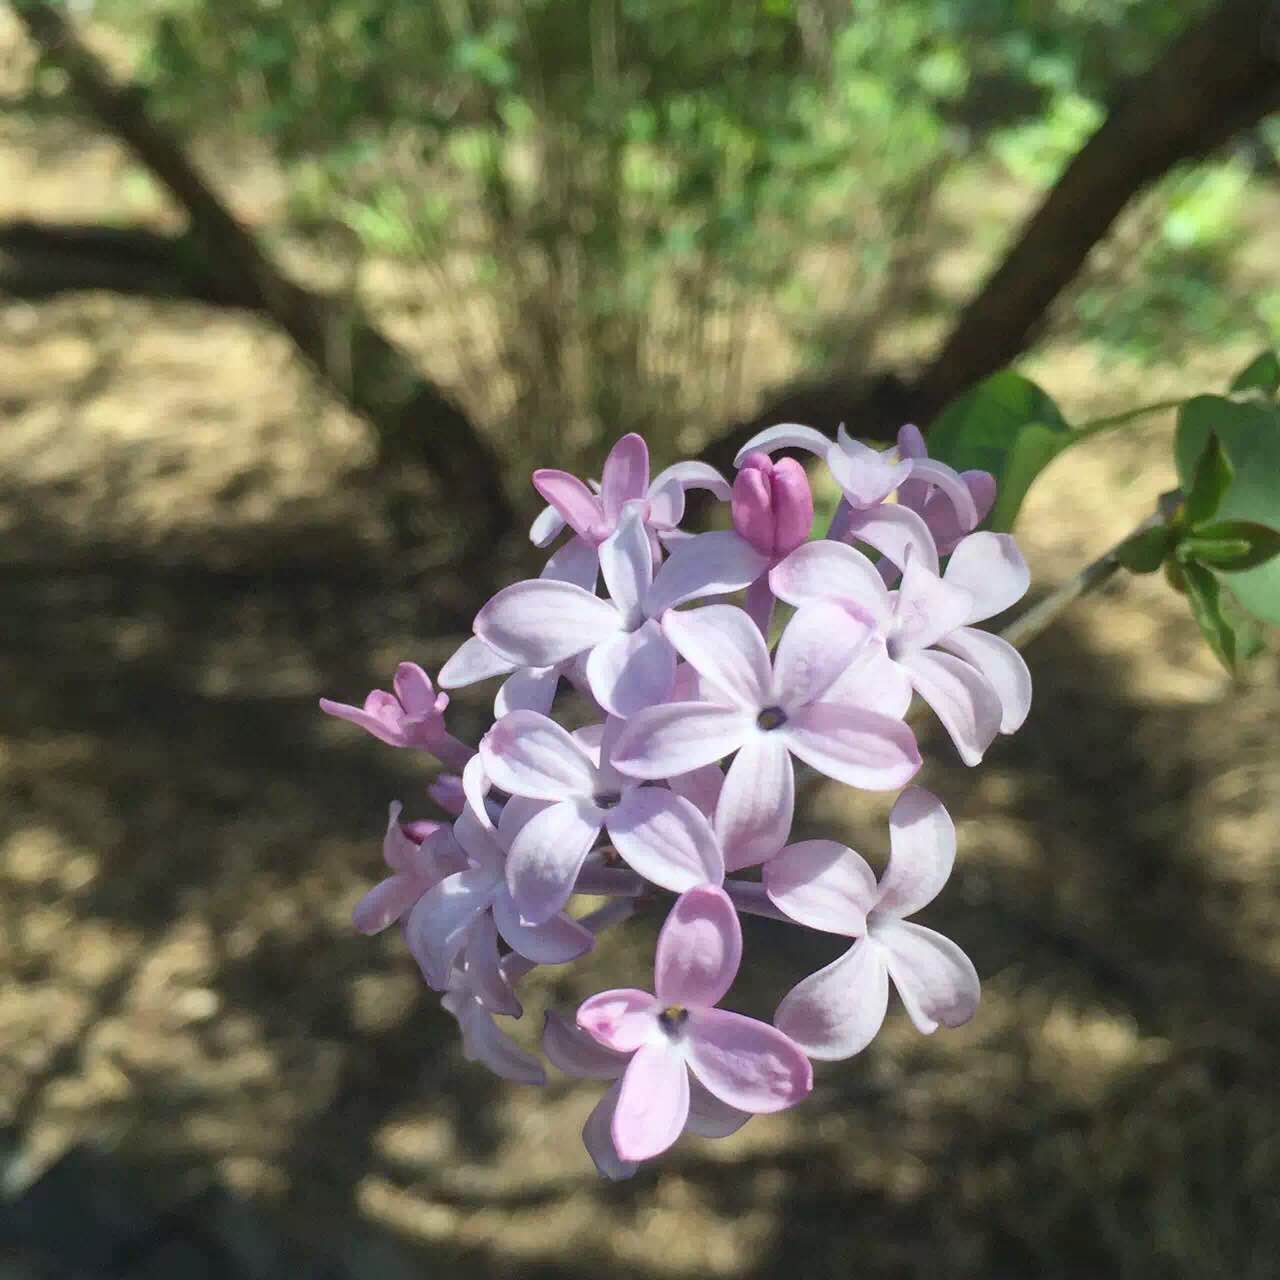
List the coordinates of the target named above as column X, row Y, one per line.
column 530, row 756
column 627, row 659
column 412, row 716
column 866, row 478
column 744, row 1063
column 946, row 522
column 447, row 791
column 439, row 924
column 593, row 512
column 417, row 863
column 576, row 1053
column 767, row 713
column 837, row 1011
column 476, row 989
column 981, row 686
column 531, row 688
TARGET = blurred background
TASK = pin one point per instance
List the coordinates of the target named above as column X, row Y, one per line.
column 249, row 461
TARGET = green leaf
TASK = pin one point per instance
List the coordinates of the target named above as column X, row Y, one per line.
column 1249, row 433
column 1205, row 597
column 1213, row 476
column 1005, row 425
column 1231, row 545
column 1262, row 373
column 1145, row 552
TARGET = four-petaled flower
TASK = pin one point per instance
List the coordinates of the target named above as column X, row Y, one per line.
column 746, row 1064
column 578, row 1054
column 412, row 716
column 438, row 926
column 981, row 685
column 837, row 1011
column 767, row 713
column 532, row 757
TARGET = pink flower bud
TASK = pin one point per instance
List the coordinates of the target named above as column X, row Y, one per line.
column 772, row 504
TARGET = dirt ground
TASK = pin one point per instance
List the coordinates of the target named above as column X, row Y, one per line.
column 189, row 560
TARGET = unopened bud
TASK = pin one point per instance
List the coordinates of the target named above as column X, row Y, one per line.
column 772, row 504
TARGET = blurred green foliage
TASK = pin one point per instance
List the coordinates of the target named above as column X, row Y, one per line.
column 610, row 197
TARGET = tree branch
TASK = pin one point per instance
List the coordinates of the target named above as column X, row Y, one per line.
column 1219, row 78
column 415, row 422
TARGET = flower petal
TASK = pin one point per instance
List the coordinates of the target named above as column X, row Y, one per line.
column 757, row 802
column 528, row 754
column 836, row 1012
column 710, row 564
column 926, row 609
column 632, row 670
column 816, row 649
column 726, row 649
column 472, row 662
column 555, row 941
column 626, row 474
column 577, row 561
column 746, row 1063
column 621, row 1020
column 597, row 1137
column 660, row 742
column 386, row 902
column 866, row 477
column 577, row 505
column 693, row 475
column 991, row 569
column 414, row 689
column 937, row 982
column 380, row 716
column 961, row 698
column 666, row 505
column 825, row 570
column 822, row 884
column 546, row 525
column 653, row 1102
column 664, row 838
column 922, row 842
column 484, row 977
column 1003, row 667
column 437, row 925
column 709, row 1117
column 483, row 1041
column 857, row 747
column 546, row 856
column 874, row 682
column 626, row 560
column 949, row 482
column 699, row 949
column 893, row 530
column 539, row 622
column 576, row 1053
column 789, row 435
column 528, row 689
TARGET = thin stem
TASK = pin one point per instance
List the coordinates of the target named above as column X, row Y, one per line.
column 1022, row 630
column 749, row 896
column 1120, row 419
column 610, row 882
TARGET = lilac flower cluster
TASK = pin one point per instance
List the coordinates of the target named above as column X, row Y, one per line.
column 638, row 801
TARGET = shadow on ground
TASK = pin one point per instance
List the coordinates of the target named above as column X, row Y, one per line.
column 189, row 1008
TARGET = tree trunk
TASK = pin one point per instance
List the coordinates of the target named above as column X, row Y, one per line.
column 416, row 424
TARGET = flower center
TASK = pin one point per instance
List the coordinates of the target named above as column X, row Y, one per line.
column 607, row 799
column 672, row 1019
column 771, row 718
